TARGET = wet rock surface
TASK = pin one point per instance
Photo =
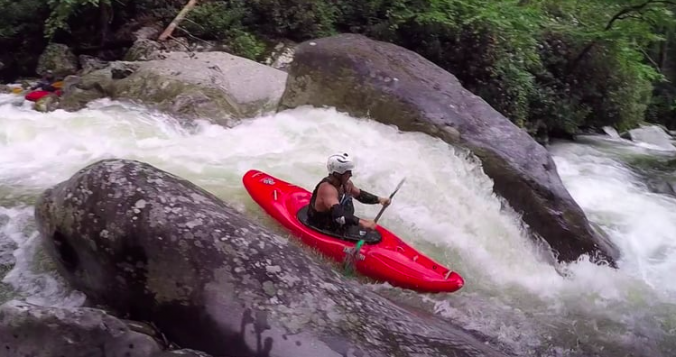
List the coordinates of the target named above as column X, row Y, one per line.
column 58, row 58
column 48, row 103
column 211, row 85
column 37, row 331
column 148, row 243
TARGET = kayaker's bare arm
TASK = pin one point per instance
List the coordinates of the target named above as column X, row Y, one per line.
column 327, row 196
column 365, row 197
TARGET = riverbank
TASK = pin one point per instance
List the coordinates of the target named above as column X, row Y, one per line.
column 553, row 68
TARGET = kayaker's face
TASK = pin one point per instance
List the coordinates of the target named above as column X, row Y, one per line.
column 345, row 177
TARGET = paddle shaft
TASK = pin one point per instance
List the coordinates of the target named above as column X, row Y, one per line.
column 391, row 195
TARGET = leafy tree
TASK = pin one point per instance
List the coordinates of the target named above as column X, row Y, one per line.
column 551, row 66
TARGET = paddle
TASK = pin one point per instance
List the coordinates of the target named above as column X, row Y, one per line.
column 392, row 195
column 352, row 256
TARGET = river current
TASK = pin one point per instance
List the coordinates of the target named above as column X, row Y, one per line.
column 446, row 209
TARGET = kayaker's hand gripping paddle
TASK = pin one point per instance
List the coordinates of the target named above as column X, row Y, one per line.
column 392, row 195
column 351, row 256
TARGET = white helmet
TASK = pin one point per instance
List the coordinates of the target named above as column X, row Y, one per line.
column 339, row 163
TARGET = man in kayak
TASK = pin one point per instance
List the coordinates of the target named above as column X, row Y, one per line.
column 331, row 203
column 45, row 83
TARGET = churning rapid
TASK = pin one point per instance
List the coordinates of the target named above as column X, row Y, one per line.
column 446, row 208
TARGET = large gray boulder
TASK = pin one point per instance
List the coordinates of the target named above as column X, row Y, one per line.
column 393, row 85
column 654, row 135
column 208, row 85
column 148, row 243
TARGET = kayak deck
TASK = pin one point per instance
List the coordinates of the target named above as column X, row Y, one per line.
column 353, row 233
column 383, row 257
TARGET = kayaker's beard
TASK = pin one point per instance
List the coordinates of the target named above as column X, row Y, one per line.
column 342, row 178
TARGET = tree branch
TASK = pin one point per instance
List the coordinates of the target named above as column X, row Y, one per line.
column 657, row 66
column 625, row 13
column 167, row 32
column 635, row 8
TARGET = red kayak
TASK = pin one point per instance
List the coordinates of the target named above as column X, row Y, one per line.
column 383, row 256
column 35, row 95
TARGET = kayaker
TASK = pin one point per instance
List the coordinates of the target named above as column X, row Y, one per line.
column 45, row 83
column 331, row 205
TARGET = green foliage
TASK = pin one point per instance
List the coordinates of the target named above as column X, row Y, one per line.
column 603, row 65
column 18, row 17
column 216, row 20
column 62, row 10
column 553, row 64
column 548, row 65
column 21, row 28
column 226, row 22
column 294, row 19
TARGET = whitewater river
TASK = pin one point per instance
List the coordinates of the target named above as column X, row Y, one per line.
column 446, row 208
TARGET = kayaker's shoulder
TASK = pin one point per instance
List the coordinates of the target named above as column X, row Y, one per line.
column 350, row 187
column 327, row 187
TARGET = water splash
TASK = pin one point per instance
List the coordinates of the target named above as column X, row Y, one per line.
column 446, row 208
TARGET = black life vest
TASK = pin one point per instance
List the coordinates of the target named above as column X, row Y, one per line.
column 324, row 220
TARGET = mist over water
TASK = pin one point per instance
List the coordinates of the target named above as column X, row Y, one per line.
column 446, row 209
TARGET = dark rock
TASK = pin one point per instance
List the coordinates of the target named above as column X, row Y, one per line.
column 142, row 328
column 59, row 59
column 153, row 245
column 182, row 353
column 396, row 86
column 121, row 70
column 144, row 50
column 37, row 331
column 77, row 92
column 90, row 64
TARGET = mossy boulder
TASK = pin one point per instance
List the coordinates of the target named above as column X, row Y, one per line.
column 212, row 85
column 144, row 50
column 59, row 59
